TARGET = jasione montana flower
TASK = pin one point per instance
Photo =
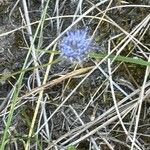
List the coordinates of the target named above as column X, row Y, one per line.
column 76, row 45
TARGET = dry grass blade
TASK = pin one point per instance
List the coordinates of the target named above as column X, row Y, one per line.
column 56, row 81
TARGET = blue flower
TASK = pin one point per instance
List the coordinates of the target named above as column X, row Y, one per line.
column 76, row 45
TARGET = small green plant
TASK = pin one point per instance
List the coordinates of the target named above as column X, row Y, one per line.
column 71, row 147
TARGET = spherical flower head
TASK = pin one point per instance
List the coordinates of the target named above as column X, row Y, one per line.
column 76, row 45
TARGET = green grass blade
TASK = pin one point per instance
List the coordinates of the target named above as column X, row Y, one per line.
column 137, row 61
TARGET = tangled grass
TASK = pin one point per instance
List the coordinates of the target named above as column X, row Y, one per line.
column 99, row 105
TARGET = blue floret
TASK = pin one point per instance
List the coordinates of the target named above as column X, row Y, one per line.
column 75, row 45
